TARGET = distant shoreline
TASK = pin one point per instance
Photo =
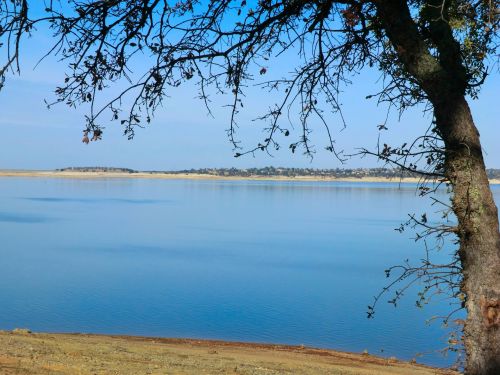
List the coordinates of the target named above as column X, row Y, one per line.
column 198, row 176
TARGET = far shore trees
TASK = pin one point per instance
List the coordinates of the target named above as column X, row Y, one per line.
column 431, row 52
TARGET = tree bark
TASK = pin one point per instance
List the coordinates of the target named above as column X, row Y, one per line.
column 444, row 81
column 478, row 233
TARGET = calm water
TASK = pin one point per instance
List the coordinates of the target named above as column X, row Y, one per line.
column 250, row 261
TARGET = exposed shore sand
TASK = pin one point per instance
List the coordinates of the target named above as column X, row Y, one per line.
column 25, row 353
column 193, row 176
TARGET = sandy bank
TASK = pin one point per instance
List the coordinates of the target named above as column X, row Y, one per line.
column 188, row 176
column 192, row 176
column 29, row 354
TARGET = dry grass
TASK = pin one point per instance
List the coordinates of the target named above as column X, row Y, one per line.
column 25, row 353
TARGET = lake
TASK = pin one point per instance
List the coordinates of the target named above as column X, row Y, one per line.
column 274, row 262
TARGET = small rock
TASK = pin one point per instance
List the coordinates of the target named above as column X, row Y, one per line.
column 365, row 352
column 21, row 331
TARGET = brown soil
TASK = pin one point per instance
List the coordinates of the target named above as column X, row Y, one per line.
column 36, row 353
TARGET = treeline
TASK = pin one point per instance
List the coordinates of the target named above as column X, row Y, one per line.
column 278, row 172
column 301, row 172
column 493, row 173
column 96, row 169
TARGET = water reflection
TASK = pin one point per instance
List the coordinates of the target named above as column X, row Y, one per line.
column 275, row 262
column 10, row 217
column 94, row 200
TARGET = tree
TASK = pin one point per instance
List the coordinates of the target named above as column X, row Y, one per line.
column 431, row 52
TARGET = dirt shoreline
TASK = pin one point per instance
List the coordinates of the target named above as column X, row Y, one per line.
column 193, row 176
column 27, row 353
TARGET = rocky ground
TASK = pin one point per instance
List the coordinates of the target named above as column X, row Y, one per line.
column 23, row 352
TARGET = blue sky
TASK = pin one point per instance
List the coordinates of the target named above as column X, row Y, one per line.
column 182, row 135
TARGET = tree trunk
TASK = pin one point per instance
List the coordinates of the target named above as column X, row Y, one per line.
column 444, row 80
column 478, row 233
